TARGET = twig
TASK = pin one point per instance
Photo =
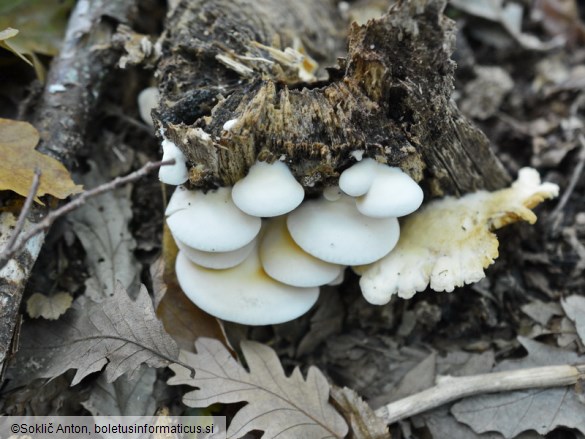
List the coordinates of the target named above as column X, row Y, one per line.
column 449, row 388
column 575, row 177
column 34, row 187
column 48, row 220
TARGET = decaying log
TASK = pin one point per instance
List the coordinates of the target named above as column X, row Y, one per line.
column 389, row 98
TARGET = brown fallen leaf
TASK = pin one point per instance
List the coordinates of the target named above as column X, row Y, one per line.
column 280, row 406
column 182, row 320
column 117, row 333
column 48, row 307
column 574, row 307
column 19, row 160
column 102, row 226
column 123, row 397
column 41, row 26
column 363, row 421
column 542, row 410
column 7, row 34
column 562, row 18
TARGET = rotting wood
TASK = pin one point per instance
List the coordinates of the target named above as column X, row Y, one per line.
column 390, row 96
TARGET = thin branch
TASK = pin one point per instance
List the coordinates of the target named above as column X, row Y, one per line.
column 575, row 177
column 449, row 388
column 44, row 225
column 34, row 187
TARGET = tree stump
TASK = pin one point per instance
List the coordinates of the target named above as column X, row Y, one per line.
column 387, row 98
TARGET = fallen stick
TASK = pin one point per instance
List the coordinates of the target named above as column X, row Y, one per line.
column 26, row 207
column 44, row 225
column 450, row 388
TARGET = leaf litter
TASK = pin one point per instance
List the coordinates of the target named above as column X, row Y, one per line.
column 20, row 159
column 125, row 396
column 279, row 405
column 48, row 307
column 102, row 227
column 362, row 419
column 117, row 334
column 541, row 410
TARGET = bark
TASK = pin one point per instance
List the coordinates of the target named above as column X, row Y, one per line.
column 388, row 98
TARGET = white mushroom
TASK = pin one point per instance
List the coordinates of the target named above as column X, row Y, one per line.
column 338, row 280
column 382, row 191
column 358, row 179
column 216, row 260
column 286, row 262
column 173, row 174
column 230, row 124
column 147, row 100
column 392, row 193
column 332, row 193
column 336, row 232
column 268, row 190
column 210, row 222
column 244, row 294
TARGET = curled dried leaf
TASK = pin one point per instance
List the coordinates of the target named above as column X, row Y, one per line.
column 19, row 161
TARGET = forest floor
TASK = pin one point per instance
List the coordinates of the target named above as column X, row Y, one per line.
column 523, row 83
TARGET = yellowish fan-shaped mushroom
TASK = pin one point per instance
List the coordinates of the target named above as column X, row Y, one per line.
column 449, row 242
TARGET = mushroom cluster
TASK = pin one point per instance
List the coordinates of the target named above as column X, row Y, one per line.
column 257, row 254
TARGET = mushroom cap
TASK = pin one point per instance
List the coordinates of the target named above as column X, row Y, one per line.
column 392, row 193
column 216, row 260
column 147, row 100
column 286, row 262
column 243, row 294
column 339, row 279
column 210, row 222
column 268, row 190
column 332, row 193
column 181, row 199
column 173, row 174
column 358, row 179
column 336, row 232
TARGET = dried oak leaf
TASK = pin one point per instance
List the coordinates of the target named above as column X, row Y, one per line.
column 48, row 307
column 542, row 410
column 124, row 397
column 102, row 226
column 363, row 421
column 117, row 333
column 19, row 161
column 574, row 307
column 280, row 406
